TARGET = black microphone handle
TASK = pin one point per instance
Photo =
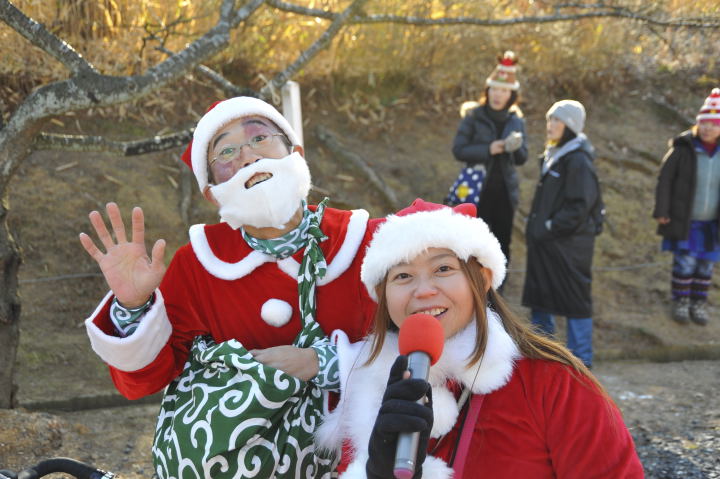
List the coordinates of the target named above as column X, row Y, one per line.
column 407, row 444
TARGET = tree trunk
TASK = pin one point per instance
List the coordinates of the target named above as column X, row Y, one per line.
column 14, row 147
column 10, row 260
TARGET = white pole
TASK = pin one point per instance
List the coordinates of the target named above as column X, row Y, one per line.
column 292, row 109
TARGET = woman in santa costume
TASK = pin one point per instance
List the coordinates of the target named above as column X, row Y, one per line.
column 235, row 327
column 504, row 402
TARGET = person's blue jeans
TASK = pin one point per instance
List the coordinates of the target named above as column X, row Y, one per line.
column 687, row 265
column 579, row 333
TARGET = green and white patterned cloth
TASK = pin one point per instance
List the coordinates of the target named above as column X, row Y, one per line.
column 229, row 416
column 127, row 320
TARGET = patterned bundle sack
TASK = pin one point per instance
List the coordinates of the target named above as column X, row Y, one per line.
column 229, row 416
column 467, row 186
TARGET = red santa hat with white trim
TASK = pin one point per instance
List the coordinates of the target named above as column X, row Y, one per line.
column 423, row 225
column 220, row 114
column 711, row 108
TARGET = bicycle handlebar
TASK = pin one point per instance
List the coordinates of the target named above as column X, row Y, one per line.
column 58, row 464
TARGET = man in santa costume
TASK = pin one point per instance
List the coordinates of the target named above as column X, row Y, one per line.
column 266, row 282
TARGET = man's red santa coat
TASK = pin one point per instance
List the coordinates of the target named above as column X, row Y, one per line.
column 217, row 285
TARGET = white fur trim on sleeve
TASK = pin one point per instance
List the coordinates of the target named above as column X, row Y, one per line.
column 137, row 350
column 334, row 427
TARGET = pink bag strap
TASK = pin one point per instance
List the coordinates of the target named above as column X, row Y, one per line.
column 466, row 435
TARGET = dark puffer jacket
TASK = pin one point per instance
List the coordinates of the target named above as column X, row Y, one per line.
column 472, row 146
column 675, row 191
column 559, row 259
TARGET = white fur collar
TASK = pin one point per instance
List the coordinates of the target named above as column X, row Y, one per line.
column 231, row 271
column 362, row 387
column 491, row 373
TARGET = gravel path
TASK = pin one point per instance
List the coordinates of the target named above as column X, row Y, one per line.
column 673, row 412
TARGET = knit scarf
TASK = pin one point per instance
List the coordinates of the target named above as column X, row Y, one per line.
column 307, row 235
column 499, row 119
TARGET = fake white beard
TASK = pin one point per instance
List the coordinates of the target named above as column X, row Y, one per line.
column 268, row 204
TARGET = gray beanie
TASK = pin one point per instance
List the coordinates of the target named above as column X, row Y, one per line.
column 570, row 112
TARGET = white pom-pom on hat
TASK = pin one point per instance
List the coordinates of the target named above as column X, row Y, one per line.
column 276, row 312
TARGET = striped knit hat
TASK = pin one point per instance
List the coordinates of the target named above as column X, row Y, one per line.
column 711, row 108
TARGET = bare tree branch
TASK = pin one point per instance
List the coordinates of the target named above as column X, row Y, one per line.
column 310, row 12
column 673, row 111
column 38, row 35
column 161, row 32
column 338, row 21
column 93, row 89
column 654, row 30
column 342, row 154
column 602, row 11
column 54, row 141
column 243, row 13
column 228, row 87
column 102, row 90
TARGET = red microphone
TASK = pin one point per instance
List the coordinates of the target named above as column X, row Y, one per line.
column 422, row 339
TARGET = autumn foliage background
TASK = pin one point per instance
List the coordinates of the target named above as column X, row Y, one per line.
column 386, row 61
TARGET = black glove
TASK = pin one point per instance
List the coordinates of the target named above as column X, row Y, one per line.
column 398, row 413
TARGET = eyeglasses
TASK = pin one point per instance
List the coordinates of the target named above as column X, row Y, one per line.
column 232, row 152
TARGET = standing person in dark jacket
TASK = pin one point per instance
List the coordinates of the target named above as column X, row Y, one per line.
column 492, row 135
column 687, row 208
column 561, row 231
